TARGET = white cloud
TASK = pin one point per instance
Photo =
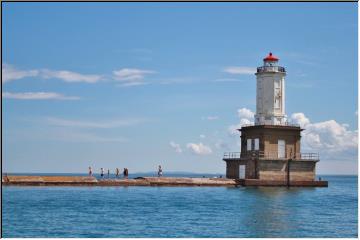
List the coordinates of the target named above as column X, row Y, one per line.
column 246, row 117
column 176, row 146
column 328, row 136
column 10, row 73
column 131, row 74
column 130, row 77
column 245, row 113
column 300, row 119
column 91, row 124
column 69, row 76
column 240, row 70
column 202, row 136
column 38, row 96
column 199, row 149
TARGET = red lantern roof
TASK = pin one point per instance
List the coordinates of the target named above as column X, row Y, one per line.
column 270, row 57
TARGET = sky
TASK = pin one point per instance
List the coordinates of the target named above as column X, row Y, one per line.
column 139, row 85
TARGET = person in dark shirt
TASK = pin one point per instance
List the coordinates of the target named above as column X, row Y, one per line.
column 160, row 172
column 126, row 172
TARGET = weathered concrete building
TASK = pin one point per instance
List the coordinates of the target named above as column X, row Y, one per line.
column 270, row 148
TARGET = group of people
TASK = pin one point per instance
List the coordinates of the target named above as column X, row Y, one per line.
column 117, row 172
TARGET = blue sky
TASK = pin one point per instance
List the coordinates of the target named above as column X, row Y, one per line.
column 141, row 84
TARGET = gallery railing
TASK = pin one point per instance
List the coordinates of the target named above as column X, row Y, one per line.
column 270, row 155
column 290, row 124
column 232, row 155
column 307, row 156
column 270, row 69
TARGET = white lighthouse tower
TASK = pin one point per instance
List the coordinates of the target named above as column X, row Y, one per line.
column 270, row 93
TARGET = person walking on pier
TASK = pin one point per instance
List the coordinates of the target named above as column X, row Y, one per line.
column 160, row 172
column 90, row 172
column 108, row 173
column 102, row 172
column 117, row 172
column 126, row 173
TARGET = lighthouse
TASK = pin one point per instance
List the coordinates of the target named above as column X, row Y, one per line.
column 271, row 148
column 270, row 92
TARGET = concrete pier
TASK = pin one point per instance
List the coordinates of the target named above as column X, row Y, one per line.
column 150, row 181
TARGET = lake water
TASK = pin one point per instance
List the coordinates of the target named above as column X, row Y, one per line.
column 182, row 211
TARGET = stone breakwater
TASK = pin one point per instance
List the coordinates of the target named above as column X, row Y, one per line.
column 149, row 181
column 92, row 181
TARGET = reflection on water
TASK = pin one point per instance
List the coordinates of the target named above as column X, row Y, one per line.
column 268, row 212
column 182, row 211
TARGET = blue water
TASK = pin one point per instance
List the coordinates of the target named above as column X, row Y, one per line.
column 182, row 211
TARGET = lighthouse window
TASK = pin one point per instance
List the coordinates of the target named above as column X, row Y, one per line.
column 256, row 144
column 248, row 146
